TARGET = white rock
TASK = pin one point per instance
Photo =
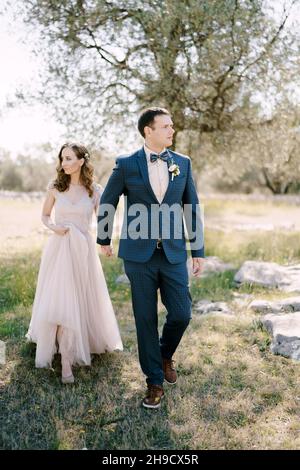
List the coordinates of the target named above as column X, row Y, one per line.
column 291, row 304
column 285, row 330
column 122, row 279
column 286, row 278
column 204, row 307
column 211, row 265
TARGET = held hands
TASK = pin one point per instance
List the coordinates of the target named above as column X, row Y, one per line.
column 107, row 250
column 197, row 266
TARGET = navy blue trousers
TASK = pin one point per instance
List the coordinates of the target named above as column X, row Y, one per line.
column 173, row 282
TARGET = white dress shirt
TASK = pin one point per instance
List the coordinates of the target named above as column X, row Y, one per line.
column 158, row 175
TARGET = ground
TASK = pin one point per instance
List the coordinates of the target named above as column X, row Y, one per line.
column 232, row 393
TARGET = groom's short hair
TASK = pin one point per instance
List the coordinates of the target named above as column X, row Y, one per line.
column 147, row 117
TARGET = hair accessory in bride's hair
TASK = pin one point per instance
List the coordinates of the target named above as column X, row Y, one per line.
column 86, row 156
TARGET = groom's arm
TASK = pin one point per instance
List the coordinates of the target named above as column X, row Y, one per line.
column 108, row 204
column 193, row 219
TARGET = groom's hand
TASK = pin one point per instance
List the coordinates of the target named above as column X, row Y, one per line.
column 197, row 266
column 106, row 250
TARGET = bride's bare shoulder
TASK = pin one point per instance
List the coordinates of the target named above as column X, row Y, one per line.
column 51, row 187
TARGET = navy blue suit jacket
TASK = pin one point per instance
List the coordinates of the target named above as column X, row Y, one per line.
column 130, row 178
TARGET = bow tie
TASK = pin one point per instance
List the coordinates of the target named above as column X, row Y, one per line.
column 163, row 156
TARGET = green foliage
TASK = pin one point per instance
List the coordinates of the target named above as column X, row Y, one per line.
column 119, row 292
column 216, row 286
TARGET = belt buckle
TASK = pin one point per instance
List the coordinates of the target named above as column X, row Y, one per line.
column 158, row 244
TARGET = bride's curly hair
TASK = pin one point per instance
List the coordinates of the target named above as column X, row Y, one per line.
column 62, row 181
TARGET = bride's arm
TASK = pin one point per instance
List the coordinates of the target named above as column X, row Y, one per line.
column 46, row 215
column 98, row 191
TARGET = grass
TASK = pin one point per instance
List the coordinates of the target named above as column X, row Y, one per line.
column 256, row 207
column 18, row 280
column 237, row 247
column 232, row 392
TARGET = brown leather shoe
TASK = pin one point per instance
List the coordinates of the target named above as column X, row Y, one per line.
column 153, row 397
column 169, row 371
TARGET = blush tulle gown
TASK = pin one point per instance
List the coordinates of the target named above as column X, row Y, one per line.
column 71, row 289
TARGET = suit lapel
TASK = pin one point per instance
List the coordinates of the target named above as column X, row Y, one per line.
column 171, row 183
column 142, row 162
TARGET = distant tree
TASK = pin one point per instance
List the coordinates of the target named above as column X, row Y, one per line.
column 10, row 178
column 33, row 171
column 275, row 150
column 260, row 153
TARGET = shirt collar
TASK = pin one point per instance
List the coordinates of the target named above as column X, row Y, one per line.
column 148, row 151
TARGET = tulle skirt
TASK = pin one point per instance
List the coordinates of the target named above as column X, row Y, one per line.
column 72, row 294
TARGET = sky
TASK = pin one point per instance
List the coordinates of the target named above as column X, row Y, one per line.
column 23, row 127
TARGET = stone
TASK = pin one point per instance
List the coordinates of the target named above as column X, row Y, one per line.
column 211, row 265
column 285, row 331
column 285, row 278
column 204, row 307
column 291, row 304
column 122, row 279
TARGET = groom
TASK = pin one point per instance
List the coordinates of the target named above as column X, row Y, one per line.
column 158, row 187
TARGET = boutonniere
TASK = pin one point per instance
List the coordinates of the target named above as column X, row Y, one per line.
column 174, row 169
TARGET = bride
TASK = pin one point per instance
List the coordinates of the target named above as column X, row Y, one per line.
column 72, row 311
